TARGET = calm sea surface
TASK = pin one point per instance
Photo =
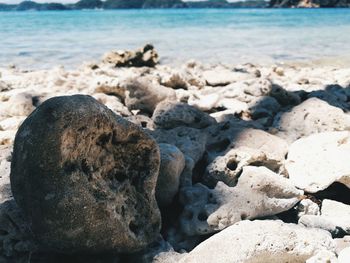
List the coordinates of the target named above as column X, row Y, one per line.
column 44, row 39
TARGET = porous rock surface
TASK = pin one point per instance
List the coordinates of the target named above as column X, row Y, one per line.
column 317, row 161
column 85, row 178
column 170, row 114
column 258, row 193
column 311, row 116
column 249, row 147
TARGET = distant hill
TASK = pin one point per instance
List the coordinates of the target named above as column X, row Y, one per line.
column 209, row 4
column 30, row 5
column 309, row 3
column 226, row 4
column 164, row 4
column 5, row 7
column 133, row 4
column 122, row 4
column 88, row 4
column 116, row 4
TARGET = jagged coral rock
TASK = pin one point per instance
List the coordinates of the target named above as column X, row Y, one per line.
column 259, row 192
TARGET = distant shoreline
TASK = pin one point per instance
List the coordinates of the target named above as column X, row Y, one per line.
column 169, row 4
column 123, row 4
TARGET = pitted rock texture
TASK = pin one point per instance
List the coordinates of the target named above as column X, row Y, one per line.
column 259, row 192
column 260, row 242
column 317, row 161
column 248, row 147
column 169, row 114
column 311, row 116
column 229, row 133
column 190, row 141
column 85, row 178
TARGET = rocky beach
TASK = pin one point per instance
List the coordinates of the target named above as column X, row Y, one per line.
column 131, row 160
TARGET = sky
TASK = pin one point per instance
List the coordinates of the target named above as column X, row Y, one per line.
column 62, row 1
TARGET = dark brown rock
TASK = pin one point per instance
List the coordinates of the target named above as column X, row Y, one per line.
column 85, row 178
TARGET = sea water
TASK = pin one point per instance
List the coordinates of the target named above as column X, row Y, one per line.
column 35, row 39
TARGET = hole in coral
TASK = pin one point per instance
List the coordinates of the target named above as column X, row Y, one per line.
column 143, row 124
column 70, row 167
column 85, row 167
column 232, row 165
column 122, row 210
column 202, row 216
column 226, row 126
column 121, row 177
column 35, row 101
column 82, row 129
column 244, row 216
column 103, row 139
column 134, row 227
column 114, row 138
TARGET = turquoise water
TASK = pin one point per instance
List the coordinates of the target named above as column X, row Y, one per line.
column 44, row 39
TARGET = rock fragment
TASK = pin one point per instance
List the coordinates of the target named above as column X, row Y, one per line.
column 317, row 161
column 143, row 57
column 259, row 192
